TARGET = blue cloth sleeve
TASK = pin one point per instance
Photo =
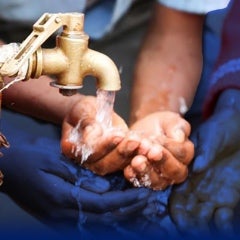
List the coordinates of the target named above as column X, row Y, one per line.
column 193, row 6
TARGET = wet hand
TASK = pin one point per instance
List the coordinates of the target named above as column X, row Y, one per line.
column 219, row 134
column 208, row 201
column 164, row 153
column 58, row 192
column 88, row 142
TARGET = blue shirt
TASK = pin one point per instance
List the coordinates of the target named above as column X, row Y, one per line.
column 100, row 18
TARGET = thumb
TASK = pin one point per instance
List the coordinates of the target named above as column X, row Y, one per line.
column 95, row 184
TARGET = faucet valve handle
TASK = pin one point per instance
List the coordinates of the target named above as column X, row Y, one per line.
column 45, row 26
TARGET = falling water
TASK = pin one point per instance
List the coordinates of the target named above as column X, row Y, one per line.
column 104, row 107
column 7, row 51
column 105, row 102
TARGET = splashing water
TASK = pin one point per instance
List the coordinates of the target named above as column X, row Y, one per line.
column 105, row 102
column 7, row 51
column 183, row 106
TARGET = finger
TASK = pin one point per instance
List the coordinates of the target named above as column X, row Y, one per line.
column 203, row 211
column 64, row 169
column 182, row 219
column 91, row 182
column 184, row 152
column 223, row 219
column 176, row 127
column 126, row 147
column 85, row 148
column 109, row 201
column 206, row 148
column 130, row 144
column 61, row 167
column 141, row 173
column 58, row 196
column 178, row 203
column 113, row 161
column 84, row 109
column 90, row 132
column 155, row 152
column 117, row 215
column 118, row 158
column 105, row 144
column 171, row 168
column 73, row 136
column 52, row 162
column 110, row 163
column 137, row 172
column 96, row 185
column 132, row 209
column 145, row 146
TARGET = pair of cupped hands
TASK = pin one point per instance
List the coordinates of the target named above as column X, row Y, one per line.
column 158, row 146
column 58, row 191
column 154, row 152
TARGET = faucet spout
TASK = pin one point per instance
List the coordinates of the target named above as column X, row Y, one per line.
column 70, row 61
column 103, row 69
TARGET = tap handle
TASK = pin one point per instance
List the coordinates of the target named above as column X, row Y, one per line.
column 45, row 26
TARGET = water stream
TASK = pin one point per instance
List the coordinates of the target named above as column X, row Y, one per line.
column 7, row 52
column 105, row 102
column 104, row 110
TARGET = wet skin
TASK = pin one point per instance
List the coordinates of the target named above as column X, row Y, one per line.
column 211, row 194
column 163, row 151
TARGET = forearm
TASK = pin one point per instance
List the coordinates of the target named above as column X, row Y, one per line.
column 38, row 99
column 169, row 66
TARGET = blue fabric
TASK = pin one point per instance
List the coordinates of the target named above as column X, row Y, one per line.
column 71, row 199
column 30, row 11
column 56, row 191
column 98, row 19
column 193, row 6
column 211, row 47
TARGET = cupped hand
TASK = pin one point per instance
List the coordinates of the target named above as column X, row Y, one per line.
column 59, row 192
column 88, row 142
column 208, row 201
column 219, row 134
column 164, row 153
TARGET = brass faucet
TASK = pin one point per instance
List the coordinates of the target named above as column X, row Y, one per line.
column 70, row 61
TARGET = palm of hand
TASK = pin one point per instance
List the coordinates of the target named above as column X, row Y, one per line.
column 212, row 191
column 93, row 145
column 209, row 198
column 164, row 151
column 217, row 136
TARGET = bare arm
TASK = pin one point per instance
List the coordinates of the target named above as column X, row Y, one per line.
column 37, row 98
column 169, row 64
